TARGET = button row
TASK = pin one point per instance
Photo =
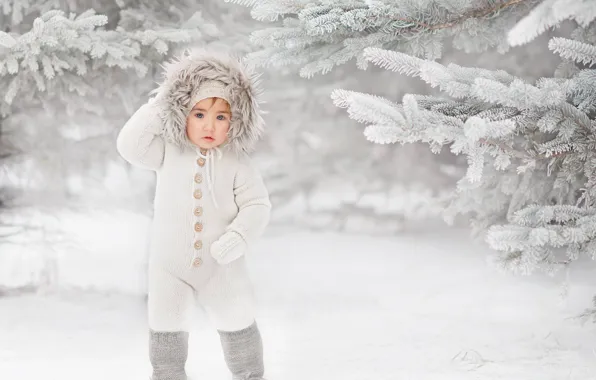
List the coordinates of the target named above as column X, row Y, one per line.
column 198, row 210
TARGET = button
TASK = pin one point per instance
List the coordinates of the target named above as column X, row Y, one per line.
column 198, row 227
column 198, row 178
column 203, row 151
column 201, row 161
column 197, row 262
column 198, row 244
column 198, row 194
column 198, row 211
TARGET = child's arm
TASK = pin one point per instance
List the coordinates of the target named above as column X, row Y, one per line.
column 139, row 142
column 254, row 206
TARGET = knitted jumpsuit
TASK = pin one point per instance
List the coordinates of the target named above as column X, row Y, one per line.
column 209, row 208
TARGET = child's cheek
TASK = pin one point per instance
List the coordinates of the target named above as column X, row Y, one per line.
column 192, row 126
column 224, row 134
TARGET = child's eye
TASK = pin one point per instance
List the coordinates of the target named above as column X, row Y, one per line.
column 199, row 115
column 221, row 117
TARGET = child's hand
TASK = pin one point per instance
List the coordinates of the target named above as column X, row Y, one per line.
column 228, row 247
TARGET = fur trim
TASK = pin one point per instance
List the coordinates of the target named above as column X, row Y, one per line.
column 182, row 77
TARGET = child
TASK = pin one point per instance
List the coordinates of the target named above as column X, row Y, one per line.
column 210, row 205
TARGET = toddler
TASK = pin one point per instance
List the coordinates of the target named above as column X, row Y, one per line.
column 210, row 206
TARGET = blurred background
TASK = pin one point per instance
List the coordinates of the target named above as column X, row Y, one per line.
column 365, row 217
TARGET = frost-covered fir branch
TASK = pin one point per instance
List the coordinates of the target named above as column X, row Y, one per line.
column 548, row 14
column 530, row 147
column 321, row 35
column 557, row 230
column 530, row 183
column 545, row 238
column 77, row 46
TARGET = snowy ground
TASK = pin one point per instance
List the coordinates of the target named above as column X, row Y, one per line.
column 418, row 306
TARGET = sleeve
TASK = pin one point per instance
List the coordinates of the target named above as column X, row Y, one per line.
column 138, row 141
column 254, row 208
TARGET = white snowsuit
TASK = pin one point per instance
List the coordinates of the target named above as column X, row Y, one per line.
column 208, row 207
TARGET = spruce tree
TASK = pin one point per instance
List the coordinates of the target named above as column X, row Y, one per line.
column 529, row 180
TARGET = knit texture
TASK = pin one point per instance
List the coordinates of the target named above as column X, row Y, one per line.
column 209, row 89
column 168, row 352
column 243, row 352
column 228, row 248
column 138, row 141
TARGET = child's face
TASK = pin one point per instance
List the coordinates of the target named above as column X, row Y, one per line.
column 208, row 122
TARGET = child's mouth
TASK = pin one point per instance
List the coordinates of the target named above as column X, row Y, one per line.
column 208, row 138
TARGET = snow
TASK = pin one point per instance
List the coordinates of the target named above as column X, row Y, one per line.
column 79, row 248
column 422, row 305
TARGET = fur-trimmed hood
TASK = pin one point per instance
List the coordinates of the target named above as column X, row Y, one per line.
column 182, row 77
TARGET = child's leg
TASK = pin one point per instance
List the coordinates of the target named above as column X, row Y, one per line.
column 169, row 299
column 228, row 299
column 168, row 351
column 243, row 352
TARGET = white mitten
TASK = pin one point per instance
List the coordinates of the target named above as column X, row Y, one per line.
column 228, row 247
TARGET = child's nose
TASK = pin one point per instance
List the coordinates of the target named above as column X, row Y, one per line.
column 210, row 125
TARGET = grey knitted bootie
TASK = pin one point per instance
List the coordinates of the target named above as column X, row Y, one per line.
column 168, row 351
column 243, row 352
